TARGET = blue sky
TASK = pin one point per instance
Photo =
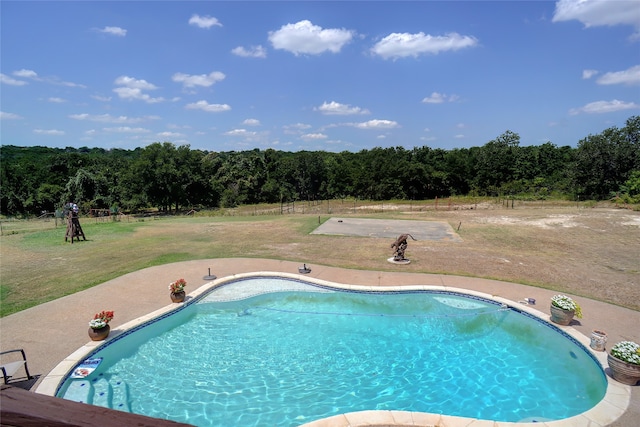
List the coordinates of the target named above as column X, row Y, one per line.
column 329, row 75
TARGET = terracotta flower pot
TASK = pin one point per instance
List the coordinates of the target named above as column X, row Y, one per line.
column 177, row 296
column 561, row 316
column 99, row 334
column 624, row 372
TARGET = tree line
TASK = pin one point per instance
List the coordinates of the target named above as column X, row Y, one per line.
column 170, row 178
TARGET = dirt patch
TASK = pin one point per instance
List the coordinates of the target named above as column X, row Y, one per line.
column 560, row 220
column 589, row 252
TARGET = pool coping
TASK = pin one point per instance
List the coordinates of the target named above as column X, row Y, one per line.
column 613, row 405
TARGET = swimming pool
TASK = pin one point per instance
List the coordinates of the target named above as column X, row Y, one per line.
column 283, row 352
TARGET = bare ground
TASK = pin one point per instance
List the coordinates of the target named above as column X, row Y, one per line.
column 590, row 252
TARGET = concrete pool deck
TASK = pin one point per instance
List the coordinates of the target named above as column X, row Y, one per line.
column 52, row 331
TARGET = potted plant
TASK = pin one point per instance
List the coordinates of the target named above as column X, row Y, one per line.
column 177, row 290
column 99, row 325
column 563, row 308
column 624, row 362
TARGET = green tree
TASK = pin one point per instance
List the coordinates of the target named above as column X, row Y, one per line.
column 239, row 177
column 158, row 173
column 48, row 197
column 496, row 162
column 605, row 161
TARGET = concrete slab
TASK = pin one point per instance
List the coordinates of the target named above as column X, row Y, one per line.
column 388, row 228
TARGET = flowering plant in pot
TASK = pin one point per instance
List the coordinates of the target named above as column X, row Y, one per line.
column 99, row 326
column 624, row 361
column 177, row 290
column 100, row 320
column 563, row 308
column 567, row 303
column 177, row 286
column 627, row 351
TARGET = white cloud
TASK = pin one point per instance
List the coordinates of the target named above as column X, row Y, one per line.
column 600, row 107
column 593, row 13
column 305, row 38
column 7, row 80
column 107, row 118
column 295, row 128
column 251, row 122
column 55, row 81
column 134, row 83
column 587, row 74
column 9, row 116
column 56, row 100
column 439, row 98
column 210, row 108
column 252, row 52
column 101, row 98
column 169, row 135
column 126, row 129
column 336, row 108
column 204, row 21
column 434, row 98
column 204, row 80
column 175, row 126
column 30, row 74
column 630, row 76
column 459, row 136
column 313, row 136
column 401, row 45
column 115, row 31
column 376, row 124
column 51, row 132
column 27, row 74
column 131, row 88
column 240, row 132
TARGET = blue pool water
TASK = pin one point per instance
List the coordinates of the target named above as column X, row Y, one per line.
column 291, row 357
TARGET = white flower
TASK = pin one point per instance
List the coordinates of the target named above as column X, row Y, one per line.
column 97, row 324
column 566, row 303
column 628, row 351
column 563, row 302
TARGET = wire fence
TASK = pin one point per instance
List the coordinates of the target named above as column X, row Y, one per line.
column 354, row 206
column 48, row 220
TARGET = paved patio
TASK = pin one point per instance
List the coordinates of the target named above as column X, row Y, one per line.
column 52, row 331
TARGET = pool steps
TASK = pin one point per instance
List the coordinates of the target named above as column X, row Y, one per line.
column 113, row 393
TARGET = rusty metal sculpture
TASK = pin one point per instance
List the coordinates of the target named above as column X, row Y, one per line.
column 400, row 246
